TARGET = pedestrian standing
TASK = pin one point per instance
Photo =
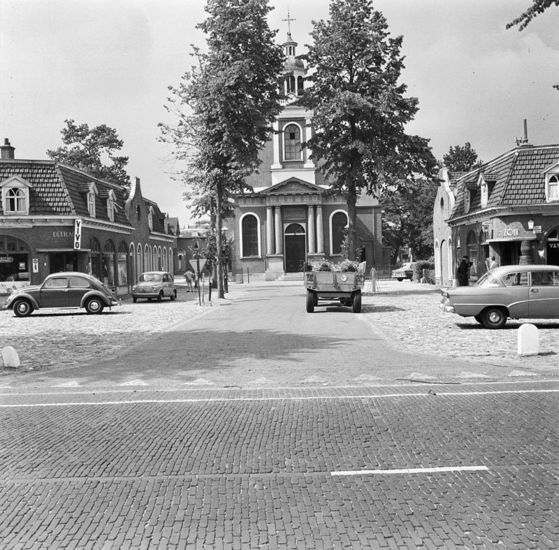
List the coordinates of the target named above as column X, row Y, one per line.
column 463, row 271
column 189, row 278
column 492, row 263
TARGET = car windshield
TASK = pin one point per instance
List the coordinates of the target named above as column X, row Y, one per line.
column 150, row 278
column 488, row 279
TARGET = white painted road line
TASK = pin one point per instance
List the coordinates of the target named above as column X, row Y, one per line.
column 413, row 471
column 271, row 398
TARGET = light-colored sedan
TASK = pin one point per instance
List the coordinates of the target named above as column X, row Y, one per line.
column 513, row 291
column 155, row 285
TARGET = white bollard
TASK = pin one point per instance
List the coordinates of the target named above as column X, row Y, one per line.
column 10, row 357
column 528, row 340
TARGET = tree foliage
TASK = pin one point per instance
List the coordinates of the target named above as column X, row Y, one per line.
column 360, row 108
column 408, row 218
column 225, row 106
column 461, row 158
column 537, row 7
column 90, row 149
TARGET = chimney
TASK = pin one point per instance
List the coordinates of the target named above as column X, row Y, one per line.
column 525, row 130
column 7, row 151
column 523, row 142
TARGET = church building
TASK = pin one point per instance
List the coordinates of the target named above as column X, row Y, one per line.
column 292, row 218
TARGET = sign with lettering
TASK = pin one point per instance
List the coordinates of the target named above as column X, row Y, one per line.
column 35, row 265
column 77, row 233
column 6, row 259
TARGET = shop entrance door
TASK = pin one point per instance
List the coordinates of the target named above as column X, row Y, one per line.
column 63, row 261
column 295, row 248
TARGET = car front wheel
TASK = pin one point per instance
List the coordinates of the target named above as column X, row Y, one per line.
column 23, row 308
column 94, row 305
column 494, row 317
column 356, row 303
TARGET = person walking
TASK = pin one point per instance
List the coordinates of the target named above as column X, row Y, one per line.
column 189, row 278
column 463, row 271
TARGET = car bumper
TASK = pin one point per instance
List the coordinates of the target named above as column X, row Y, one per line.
column 447, row 308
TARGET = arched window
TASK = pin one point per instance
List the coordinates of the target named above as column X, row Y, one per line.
column 15, row 195
column 91, row 198
column 338, row 223
column 249, row 232
column 292, row 142
column 95, row 255
column 111, row 200
column 290, row 84
column 553, row 188
column 15, row 200
column 139, row 263
column 154, row 262
column 300, row 85
column 109, row 258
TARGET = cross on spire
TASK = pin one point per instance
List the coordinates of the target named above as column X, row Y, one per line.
column 289, row 19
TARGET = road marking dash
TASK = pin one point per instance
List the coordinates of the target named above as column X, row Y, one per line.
column 401, row 471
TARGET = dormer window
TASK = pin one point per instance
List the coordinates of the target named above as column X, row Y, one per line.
column 111, row 205
column 467, row 200
column 91, row 197
column 552, row 188
column 15, row 196
column 150, row 218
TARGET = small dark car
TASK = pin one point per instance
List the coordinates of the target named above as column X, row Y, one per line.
column 62, row 290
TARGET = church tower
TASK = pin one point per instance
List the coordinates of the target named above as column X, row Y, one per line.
column 290, row 219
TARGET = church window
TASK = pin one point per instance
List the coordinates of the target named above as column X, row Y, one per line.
column 300, row 85
column 249, row 232
column 338, row 224
column 292, row 142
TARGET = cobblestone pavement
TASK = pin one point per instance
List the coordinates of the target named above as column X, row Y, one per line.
column 462, row 468
column 404, row 313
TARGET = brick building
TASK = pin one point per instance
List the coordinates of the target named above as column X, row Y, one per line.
column 57, row 218
column 507, row 208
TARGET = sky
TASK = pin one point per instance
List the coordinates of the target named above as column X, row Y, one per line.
column 112, row 61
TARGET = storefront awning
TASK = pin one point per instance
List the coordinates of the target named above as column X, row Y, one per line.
column 511, row 239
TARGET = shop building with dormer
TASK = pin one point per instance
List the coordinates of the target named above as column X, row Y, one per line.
column 292, row 217
column 507, row 208
column 55, row 218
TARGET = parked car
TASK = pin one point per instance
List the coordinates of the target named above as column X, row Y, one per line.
column 62, row 290
column 155, row 285
column 514, row 291
column 404, row 272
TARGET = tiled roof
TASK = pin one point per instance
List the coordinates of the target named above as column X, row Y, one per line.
column 518, row 177
column 47, row 195
column 61, row 190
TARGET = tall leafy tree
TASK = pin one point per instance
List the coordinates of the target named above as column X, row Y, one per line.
column 93, row 150
column 461, row 158
column 360, row 108
column 537, row 7
column 225, row 106
column 408, row 218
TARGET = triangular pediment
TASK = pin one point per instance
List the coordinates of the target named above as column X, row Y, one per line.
column 293, row 186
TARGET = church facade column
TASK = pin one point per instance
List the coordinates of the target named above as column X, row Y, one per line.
column 308, row 162
column 319, row 230
column 279, row 232
column 269, row 230
column 310, row 229
column 276, row 145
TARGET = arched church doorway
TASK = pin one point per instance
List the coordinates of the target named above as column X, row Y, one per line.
column 295, row 248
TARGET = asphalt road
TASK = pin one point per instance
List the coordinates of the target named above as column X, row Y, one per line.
column 256, row 425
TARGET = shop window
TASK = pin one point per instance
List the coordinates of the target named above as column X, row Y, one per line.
column 338, row 224
column 292, row 142
column 249, row 236
column 15, row 196
column 14, row 259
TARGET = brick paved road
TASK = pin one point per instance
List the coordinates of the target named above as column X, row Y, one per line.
column 258, row 469
column 113, row 445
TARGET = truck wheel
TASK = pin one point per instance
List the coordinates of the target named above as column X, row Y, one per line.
column 357, row 303
column 311, row 301
column 22, row 308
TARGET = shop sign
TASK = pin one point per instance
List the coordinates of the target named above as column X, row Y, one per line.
column 35, row 265
column 62, row 234
column 77, row 233
column 6, row 259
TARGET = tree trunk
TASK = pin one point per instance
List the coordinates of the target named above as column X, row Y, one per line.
column 218, row 241
column 351, row 199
